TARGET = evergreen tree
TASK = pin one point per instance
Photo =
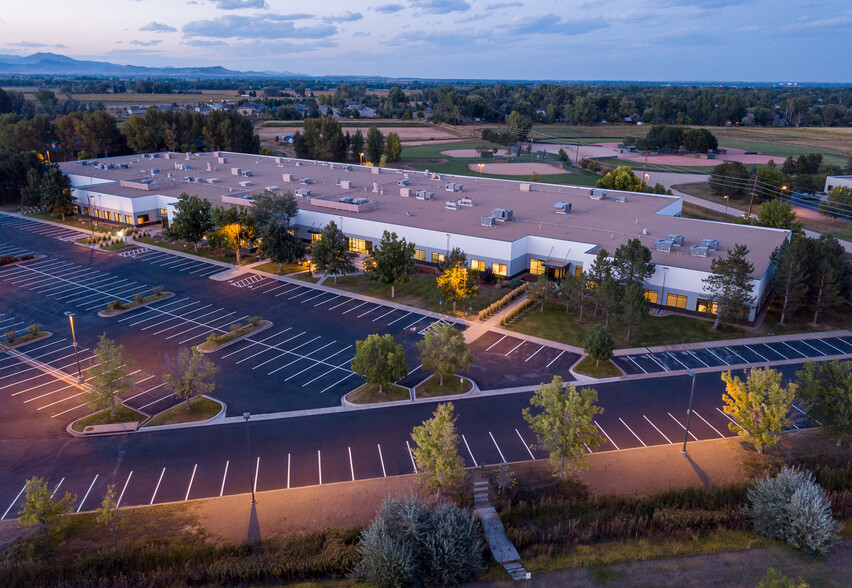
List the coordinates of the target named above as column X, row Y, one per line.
column 437, row 452
column 574, row 290
column 791, row 274
column 826, row 390
column 56, row 193
column 600, row 271
column 193, row 219
column 829, row 275
column 375, row 144
column 456, row 258
column 729, row 285
column 331, row 253
column 357, row 145
column 599, row 344
column 631, row 263
column 635, row 311
column 541, row 291
column 391, row 262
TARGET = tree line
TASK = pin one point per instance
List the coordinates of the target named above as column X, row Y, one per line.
column 323, row 139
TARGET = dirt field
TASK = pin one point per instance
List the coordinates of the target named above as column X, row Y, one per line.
column 684, row 160
column 406, row 134
column 517, row 169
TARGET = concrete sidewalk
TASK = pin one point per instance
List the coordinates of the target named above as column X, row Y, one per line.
column 728, row 342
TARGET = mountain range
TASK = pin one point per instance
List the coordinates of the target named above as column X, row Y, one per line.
column 53, row 64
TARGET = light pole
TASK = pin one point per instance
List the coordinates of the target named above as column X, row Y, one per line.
column 362, row 158
column 247, row 416
column 726, row 204
column 689, row 411
column 481, row 165
column 665, row 271
column 70, row 316
column 448, row 244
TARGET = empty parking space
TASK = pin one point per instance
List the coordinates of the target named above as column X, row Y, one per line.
column 504, row 361
column 42, row 229
column 178, row 263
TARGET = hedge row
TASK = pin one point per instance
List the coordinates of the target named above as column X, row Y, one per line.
column 509, row 316
column 495, row 306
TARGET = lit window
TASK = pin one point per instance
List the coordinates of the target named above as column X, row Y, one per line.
column 676, row 300
column 141, row 219
column 706, row 306
column 359, row 245
column 499, row 269
column 477, row 264
column 437, row 257
column 164, row 212
column 651, row 296
column 419, row 255
column 316, row 237
column 128, row 219
column 536, row 267
column 578, row 271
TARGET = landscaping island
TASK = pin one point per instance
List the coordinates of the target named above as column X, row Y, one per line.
column 237, row 332
column 453, row 385
column 369, row 394
column 117, row 307
column 201, row 408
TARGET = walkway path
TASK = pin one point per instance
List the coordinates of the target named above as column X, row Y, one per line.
column 502, row 549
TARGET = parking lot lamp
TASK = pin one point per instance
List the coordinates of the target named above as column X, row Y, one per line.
column 362, row 157
column 70, row 316
column 481, row 165
column 726, row 204
column 688, row 411
column 247, row 416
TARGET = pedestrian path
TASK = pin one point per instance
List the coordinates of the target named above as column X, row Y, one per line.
column 502, row 549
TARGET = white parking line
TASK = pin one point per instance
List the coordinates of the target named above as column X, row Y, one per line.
column 188, row 488
column 694, row 438
column 496, row 342
column 737, row 354
column 382, row 460
column 307, row 291
column 473, row 459
column 695, row 412
column 340, row 303
column 399, row 319
column 554, row 359
column 515, row 347
column 803, row 342
column 353, row 308
column 293, row 289
column 524, row 443
column 351, row 467
column 651, row 357
column 604, row 432
column 644, row 371
column 669, row 353
column 711, row 352
column 346, row 377
column 320, row 303
column 414, row 323
column 57, row 488
column 753, row 350
column 632, row 432
column 120, row 496
column 534, row 354
column 145, row 392
column 727, row 417
column 793, row 348
column 392, row 310
column 824, row 342
column 256, row 474
column 322, row 293
column 92, row 485
column 157, row 487
column 13, row 502
column 844, row 341
column 225, row 477
column 410, row 454
column 288, row 471
column 775, row 351
column 156, row 401
column 697, row 358
column 497, row 446
column 655, row 427
column 319, row 466
column 253, row 343
column 369, row 311
column 282, row 285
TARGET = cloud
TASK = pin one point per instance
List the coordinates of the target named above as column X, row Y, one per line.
column 389, row 8
column 347, row 16
column 158, row 27
column 499, row 5
column 705, row 4
column 360, row 34
column 240, row 4
column 145, row 43
column 550, row 24
column 440, row 6
column 262, row 26
column 203, row 43
column 33, row 45
column 840, row 20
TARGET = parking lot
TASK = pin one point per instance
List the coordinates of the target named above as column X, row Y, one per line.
column 809, row 347
column 42, row 229
column 193, row 267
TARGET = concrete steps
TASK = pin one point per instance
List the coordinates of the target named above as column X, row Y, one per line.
column 502, row 549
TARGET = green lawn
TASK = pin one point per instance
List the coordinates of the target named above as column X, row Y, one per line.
column 452, row 385
column 433, row 150
column 286, row 268
column 369, row 394
column 307, row 277
column 225, row 255
column 123, row 414
column 421, row 291
column 781, row 150
column 651, row 166
column 606, row 369
column 702, row 190
column 200, row 409
column 78, row 222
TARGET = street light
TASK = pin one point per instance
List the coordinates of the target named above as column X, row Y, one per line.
column 247, row 416
column 70, row 316
column 362, row 158
column 689, row 411
column 481, row 165
column 726, row 204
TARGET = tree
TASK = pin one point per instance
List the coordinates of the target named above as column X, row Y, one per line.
column 393, row 148
column 271, row 209
column 108, row 513
column 608, row 295
column 541, row 291
column 331, row 253
column 456, row 284
column 193, row 219
column 456, row 258
column 518, row 125
column 437, row 452
column 574, row 290
column 40, row 509
column 838, row 204
column 791, row 274
column 56, row 194
column 191, row 375
column 730, row 178
column 599, row 344
column 729, row 284
column 600, row 271
column 379, row 360
column 758, row 407
column 235, row 228
column 621, row 178
column 826, row 390
column 778, row 214
column 109, row 375
column 391, row 262
column 375, row 144
column 631, row 263
column 829, row 275
column 565, row 426
column 635, row 313
column 31, row 192
column 356, row 145
column 772, row 179
column 443, row 351
column 324, row 139
column 280, row 245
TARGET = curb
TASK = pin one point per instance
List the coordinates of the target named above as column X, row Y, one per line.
column 35, row 257
column 79, row 435
column 583, row 377
column 46, row 335
column 473, row 389
column 728, row 342
column 261, row 327
column 220, row 416
column 163, row 296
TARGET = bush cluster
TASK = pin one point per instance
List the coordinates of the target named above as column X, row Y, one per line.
column 495, row 306
column 512, row 314
column 7, row 259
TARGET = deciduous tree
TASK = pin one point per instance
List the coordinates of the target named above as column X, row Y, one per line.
column 456, row 284
column 235, row 228
column 391, row 262
column 393, row 148
column 109, row 375
column 599, row 344
column 193, row 219
column 379, row 360
column 108, row 513
column 826, row 390
column 541, row 291
column 778, row 214
column 41, row 509
column 443, row 351
column 565, row 425
column 758, row 407
column 331, row 253
column 437, row 452
column 621, row 178
column 191, row 374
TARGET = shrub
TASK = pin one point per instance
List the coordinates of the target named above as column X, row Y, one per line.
column 34, row 329
column 512, row 314
column 776, row 579
column 138, row 298
column 410, row 544
column 487, row 276
column 10, row 336
column 213, row 339
column 26, row 257
column 794, row 508
column 515, row 282
column 254, row 321
column 116, row 304
column 235, row 327
column 6, row 259
column 495, row 306
column 158, row 290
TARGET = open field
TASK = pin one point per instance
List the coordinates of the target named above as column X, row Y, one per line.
column 361, row 123
column 407, row 133
column 129, row 98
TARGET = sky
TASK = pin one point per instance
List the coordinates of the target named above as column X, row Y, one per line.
column 648, row 40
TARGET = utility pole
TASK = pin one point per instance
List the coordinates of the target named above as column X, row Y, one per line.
column 753, row 190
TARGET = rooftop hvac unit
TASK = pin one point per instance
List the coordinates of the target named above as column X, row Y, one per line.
column 122, row 165
column 526, row 188
column 699, row 251
column 209, row 166
column 306, row 181
column 454, row 187
column 347, row 199
column 376, row 188
column 272, row 188
column 377, row 171
column 664, row 245
column 222, row 160
column 346, row 184
column 360, row 200
column 437, row 176
column 247, row 173
column 451, row 205
column 502, row 214
column 188, row 155
column 465, row 202
column 213, row 180
column 155, row 172
column 347, row 167
column 166, row 156
column 199, row 180
column 287, row 177
column 621, row 198
column 245, row 183
column 299, row 164
column 562, row 207
column 303, row 192
column 405, row 192
column 488, row 221
column 424, row 195
column 676, row 239
column 235, row 171
column 402, row 182
column 711, row 244
column 155, row 155
column 187, row 178
column 597, row 194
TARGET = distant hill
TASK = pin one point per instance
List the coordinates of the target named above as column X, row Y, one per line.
column 61, row 65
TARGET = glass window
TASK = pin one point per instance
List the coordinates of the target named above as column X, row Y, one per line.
column 676, row 300
column 141, row 219
column 536, row 267
column 437, row 257
column 419, row 255
column 128, row 219
column 651, row 296
column 706, row 306
column 164, row 212
column 86, row 210
column 578, row 271
column 316, row 237
column 359, row 245
column 477, row 264
column 499, row 269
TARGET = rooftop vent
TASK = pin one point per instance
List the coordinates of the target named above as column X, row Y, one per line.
column 247, row 173
column 465, row 202
column 424, row 195
column 213, row 180
column 488, row 221
column 199, row 180
column 597, row 194
column 711, row 244
column 676, row 239
column 405, row 192
column 235, row 171
column 562, row 207
column 526, row 188
column 620, row 198
column 451, row 205
column 287, row 177
column 376, row 188
column 664, row 245
column 699, row 251
column 402, row 182
column 454, row 187
column 502, row 214
column 303, row 192
column 306, row 181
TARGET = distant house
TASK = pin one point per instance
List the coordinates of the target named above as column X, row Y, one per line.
column 250, row 109
column 326, row 111
column 303, row 109
column 203, row 109
column 366, row 112
column 218, row 106
column 136, row 110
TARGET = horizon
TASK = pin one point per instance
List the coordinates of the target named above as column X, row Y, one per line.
column 676, row 41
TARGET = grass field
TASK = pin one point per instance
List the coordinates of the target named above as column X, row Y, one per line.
column 128, row 99
column 200, row 409
column 369, row 394
column 452, row 385
column 225, row 255
column 589, row 367
column 286, row 268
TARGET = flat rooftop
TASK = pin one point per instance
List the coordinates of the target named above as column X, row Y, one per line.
column 607, row 222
